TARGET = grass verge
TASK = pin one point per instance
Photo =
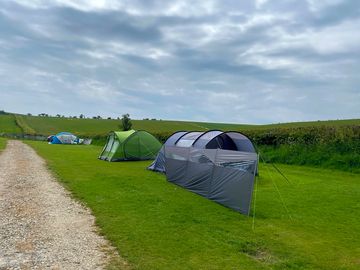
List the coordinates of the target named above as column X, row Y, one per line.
column 2, row 144
column 157, row 225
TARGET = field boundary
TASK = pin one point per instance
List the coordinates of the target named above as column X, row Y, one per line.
column 21, row 123
column 17, row 136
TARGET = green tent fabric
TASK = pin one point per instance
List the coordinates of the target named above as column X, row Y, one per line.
column 130, row 145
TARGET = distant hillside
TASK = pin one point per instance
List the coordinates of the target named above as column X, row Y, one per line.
column 329, row 144
column 18, row 123
column 8, row 124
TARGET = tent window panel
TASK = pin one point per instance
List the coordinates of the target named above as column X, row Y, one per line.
column 204, row 139
column 174, row 138
column 115, row 146
column 191, row 136
column 244, row 145
column 185, row 143
column 242, row 142
column 223, row 142
column 188, row 139
column 110, row 142
column 210, row 134
column 215, row 143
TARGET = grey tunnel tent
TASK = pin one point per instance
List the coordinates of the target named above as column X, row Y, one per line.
column 220, row 166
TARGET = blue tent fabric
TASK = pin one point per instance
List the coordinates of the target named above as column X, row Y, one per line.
column 64, row 138
column 55, row 140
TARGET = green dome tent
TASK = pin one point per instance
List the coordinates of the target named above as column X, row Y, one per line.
column 130, row 145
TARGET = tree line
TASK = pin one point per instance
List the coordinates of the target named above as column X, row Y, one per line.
column 125, row 120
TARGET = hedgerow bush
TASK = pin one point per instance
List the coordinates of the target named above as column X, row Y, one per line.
column 335, row 147
column 304, row 135
column 329, row 147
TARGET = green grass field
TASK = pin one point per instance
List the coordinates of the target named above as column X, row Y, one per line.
column 157, row 225
column 2, row 143
column 93, row 127
column 8, row 124
column 308, row 124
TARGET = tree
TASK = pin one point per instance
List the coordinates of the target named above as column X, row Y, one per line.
column 82, row 116
column 126, row 122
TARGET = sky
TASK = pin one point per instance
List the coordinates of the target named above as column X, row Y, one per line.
column 219, row 61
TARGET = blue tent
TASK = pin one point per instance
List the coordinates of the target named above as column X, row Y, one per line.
column 64, row 138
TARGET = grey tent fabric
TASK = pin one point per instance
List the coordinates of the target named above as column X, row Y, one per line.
column 212, row 139
column 212, row 165
column 207, row 173
column 242, row 142
column 202, row 141
column 232, row 188
column 175, row 137
column 158, row 164
column 188, row 139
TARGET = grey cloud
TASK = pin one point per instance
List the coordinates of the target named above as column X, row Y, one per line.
column 334, row 14
column 156, row 59
column 111, row 25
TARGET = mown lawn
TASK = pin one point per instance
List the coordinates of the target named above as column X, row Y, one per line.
column 157, row 225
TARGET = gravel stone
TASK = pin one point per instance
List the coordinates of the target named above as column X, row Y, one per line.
column 41, row 226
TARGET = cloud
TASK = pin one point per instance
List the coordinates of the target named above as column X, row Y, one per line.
column 228, row 61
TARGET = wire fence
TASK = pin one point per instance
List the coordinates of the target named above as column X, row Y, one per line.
column 23, row 136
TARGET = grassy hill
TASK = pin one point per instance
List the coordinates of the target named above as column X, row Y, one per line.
column 8, row 124
column 93, row 127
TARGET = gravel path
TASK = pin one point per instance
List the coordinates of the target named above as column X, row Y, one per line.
column 41, row 227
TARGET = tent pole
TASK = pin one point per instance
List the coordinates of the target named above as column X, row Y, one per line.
column 276, row 168
column 278, row 191
column 255, row 193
